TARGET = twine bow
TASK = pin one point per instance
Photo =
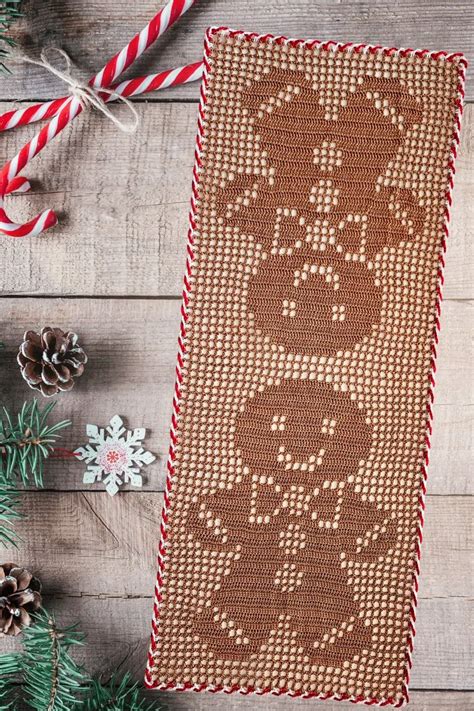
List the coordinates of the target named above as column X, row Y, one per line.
column 88, row 96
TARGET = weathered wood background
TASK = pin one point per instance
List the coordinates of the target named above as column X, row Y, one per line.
column 113, row 270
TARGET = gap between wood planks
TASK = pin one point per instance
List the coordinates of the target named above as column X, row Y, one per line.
column 104, row 297
column 137, row 297
column 128, row 596
column 138, row 100
column 143, row 492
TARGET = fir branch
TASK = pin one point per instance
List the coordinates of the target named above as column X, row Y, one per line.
column 51, row 679
column 46, row 678
column 26, row 442
column 117, row 695
column 43, row 676
column 9, row 12
column 10, row 671
column 9, row 513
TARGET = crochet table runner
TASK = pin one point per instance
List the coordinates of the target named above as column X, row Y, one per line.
column 290, row 537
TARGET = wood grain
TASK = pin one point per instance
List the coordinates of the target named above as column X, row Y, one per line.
column 92, row 32
column 123, row 203
column 132, row 355
column 419, row 701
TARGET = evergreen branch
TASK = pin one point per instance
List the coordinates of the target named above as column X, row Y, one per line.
column 10, row 671
column 9, row 504
column 26, row 443
column 9, row 12
column 46, row 678
column 51, row 679
column 117, row 695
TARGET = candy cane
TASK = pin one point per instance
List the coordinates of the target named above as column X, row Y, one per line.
column 162, row 80
column 10, row 171
column 135, row 48
column 71, row 107
column 19, row 185
column 162, row 21
column 130, row 87
column 37, row 112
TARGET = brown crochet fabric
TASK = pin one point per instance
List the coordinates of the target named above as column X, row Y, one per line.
column 298, row 450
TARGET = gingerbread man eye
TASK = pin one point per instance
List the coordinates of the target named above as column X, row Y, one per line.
column 278, row 423
column 329, row 426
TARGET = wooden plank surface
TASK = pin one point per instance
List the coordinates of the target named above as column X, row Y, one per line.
column 92, row 32
column 123, row 203
column 419, row 701
column 118, row 632
column 132, row 355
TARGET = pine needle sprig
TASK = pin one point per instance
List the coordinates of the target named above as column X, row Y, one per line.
column 45, row 677
column 10, row 670
column 51, row 679
column 26, row 442
column 9, row 12
column 117, row 695
column 9, row 514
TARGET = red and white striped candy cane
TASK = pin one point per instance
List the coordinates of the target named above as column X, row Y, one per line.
column 71, row 107
column 130, row 87
column 162, row 80
column 10, row 171
column 162, row 21
column 30, row 114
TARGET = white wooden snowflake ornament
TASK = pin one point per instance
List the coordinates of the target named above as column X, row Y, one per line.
column 114, row 455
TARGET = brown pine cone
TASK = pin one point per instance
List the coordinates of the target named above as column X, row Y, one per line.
column 50, row 360
column 20, row 594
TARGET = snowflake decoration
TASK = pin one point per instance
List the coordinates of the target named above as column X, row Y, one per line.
column 114, row 455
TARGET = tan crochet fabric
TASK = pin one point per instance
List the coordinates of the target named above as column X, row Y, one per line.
column 297, row 471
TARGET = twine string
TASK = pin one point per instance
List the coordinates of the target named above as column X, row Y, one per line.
column 88, row 96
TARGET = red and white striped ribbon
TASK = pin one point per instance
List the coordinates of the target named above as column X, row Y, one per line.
column 64, row 110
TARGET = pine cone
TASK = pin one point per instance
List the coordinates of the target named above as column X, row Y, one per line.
column 19, row 595
column 50, row 360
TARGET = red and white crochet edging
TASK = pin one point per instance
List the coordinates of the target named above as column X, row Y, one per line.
column 455, row 141
column 336, row 47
